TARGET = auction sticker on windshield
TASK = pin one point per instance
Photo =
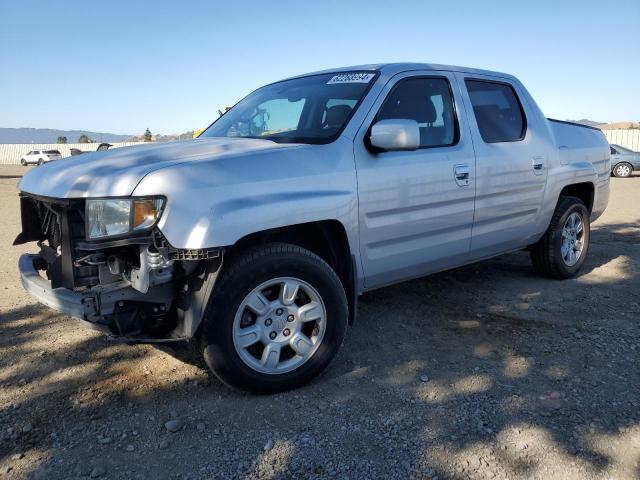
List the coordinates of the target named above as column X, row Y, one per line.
column 358, row 77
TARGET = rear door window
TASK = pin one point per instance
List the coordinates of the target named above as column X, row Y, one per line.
column 498, row 111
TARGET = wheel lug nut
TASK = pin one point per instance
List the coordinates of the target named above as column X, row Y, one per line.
column 273, row 335
column 268, row 322
column 286, row 332
column 290, row 318
column 279, row 311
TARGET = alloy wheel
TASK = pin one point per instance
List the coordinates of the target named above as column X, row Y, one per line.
column 279, row 325
column 572, row 239
column 623, row 170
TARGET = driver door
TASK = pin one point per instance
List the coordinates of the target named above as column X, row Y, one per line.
column 416, row 207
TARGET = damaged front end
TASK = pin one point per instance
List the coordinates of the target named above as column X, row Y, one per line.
column 136, row 286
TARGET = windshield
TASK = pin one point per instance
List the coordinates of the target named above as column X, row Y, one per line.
column 311, row 109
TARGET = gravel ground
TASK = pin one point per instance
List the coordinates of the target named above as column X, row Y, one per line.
column 483, row 372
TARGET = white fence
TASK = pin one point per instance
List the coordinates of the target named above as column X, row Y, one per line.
column 10, row 153
column 629, row 138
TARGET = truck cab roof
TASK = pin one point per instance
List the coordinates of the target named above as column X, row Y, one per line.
column 390, row 69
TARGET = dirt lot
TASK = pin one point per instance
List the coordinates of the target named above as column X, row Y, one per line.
column 483, row 372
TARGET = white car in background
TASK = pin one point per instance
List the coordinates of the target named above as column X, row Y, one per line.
column 38, row 157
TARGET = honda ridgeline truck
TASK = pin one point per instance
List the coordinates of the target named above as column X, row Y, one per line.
column 257, row 237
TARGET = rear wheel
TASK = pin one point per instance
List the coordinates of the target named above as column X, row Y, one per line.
column 623, row 170
column 562, row 250
column 275, row 320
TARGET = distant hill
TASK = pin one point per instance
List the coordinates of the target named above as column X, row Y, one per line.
column 586, row 121
column 608, row 126
column 620, row 125
column 164, row 138
column 49, row 135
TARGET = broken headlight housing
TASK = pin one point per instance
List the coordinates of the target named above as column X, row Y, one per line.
column 118, row 217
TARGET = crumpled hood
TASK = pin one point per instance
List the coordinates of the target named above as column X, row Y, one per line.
column 116, row 172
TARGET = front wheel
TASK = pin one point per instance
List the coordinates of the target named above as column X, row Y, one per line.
column 562, row 250
column 23, row 162
column 275, row 320
column 622, row 170
column 41, row 162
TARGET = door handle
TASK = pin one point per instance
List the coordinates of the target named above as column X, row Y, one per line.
column 537, row 163
column 462, row 174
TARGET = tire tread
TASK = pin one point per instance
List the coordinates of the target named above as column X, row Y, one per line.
column 235, row 264
column 542, row 252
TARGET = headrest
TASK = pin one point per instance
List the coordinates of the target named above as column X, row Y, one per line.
column 410, row 102
column 337, row 115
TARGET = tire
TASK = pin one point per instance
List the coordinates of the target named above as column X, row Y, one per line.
column 23, row 162
column 41, row 162
column 622, row 170
column 548, row 254
column 222, row 329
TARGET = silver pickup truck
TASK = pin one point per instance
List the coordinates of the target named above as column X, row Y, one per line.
column 257, row 238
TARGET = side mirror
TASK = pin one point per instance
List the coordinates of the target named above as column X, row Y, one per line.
column 395, row 134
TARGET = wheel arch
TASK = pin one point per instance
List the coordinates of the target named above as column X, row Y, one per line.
column 326, row 238
column 584, row 191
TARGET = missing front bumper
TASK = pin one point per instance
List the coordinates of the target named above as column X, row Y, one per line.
column 75, row 304
column 101, row 307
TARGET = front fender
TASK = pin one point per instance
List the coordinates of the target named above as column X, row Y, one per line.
column 215, row 203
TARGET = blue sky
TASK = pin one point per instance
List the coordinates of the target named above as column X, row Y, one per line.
column 122, row 66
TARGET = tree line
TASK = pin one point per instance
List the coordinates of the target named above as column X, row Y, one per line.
column 147, row 136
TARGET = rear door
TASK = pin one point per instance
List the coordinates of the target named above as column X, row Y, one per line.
column 511, row 164
column 416, row 207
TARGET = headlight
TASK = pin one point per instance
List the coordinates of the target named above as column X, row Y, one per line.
column 119, row 216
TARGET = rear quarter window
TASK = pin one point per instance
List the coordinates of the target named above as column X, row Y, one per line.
column 498, row 111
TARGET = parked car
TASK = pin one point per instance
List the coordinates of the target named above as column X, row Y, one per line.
column 101, row 147
column 257, row 237
column 623, row 161
column 38, row 157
